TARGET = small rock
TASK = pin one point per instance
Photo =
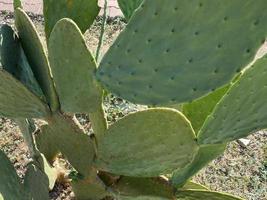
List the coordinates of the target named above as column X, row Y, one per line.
column 243, row 142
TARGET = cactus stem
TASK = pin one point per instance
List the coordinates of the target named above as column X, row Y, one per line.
column 103, row 26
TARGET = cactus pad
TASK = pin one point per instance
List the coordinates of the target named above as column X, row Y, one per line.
column 90, row 188
column 36, row 56
column 63, row 135
column 36, row 183
column 83, row 12
column 204, row 195
column 16, row 101
column 10, row 184
column 162, row 134
column 128, row 7
column 143, row 188
column 14, row 61
column 205, row 155
column 242, row 111
column 168, row 55
column 73, row 67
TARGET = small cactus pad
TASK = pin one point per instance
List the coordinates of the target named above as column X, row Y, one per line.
column 10, row 185
column 242, row 111
column 143, row 188
column 48, row 170
column 128, row 7
column 83, row 12
column 36, row 183
column 63, row 135
column 73, row 67
column 167, row 55
column 203, row 195
column 16, row 101
column 14, row 61
column 36, row 56
column 9, row 49
column 162, row 134
column 197, row 111
column 205, row 155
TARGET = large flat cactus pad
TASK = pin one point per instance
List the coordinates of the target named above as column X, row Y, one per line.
column 174, row 51
column 73, row 67
column 147, row 143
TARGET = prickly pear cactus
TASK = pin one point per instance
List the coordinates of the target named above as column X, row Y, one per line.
column 166, row 56
column 128, row 7
column 83, row 12
column 173, row 56
column 131, row 158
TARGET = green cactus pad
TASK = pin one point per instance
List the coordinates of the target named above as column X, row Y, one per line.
column 16, row 101
column 128, row 7
column 36, row 183
column 143, row 188
column 197, row 111
column 73, row 67
column 83, row 12
column 204, row 195
column 190, row 185
column 167, row 55
column 142, row 197
column 63, row 135
column 90, row 188
column 14, row 61
column 10, row 184
column 162, row 134
column 205, row 155
column 47, row 169
column 36, row 56
column 242, row 111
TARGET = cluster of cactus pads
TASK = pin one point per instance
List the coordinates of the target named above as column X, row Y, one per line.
column 191, row 62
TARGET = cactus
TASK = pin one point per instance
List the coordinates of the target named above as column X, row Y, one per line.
column 56, row 10
column 165, row 60
column 202, row 195
column 204, row 155
column 171, row 59
column 128, row 7
column 35, row 186
column 173, row 130
column 80, row 95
